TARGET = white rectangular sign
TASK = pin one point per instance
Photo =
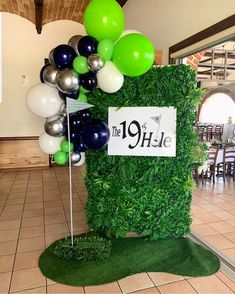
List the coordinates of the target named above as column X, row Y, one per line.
column 142, row 131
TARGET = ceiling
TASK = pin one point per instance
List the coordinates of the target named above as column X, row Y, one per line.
column 41, row 12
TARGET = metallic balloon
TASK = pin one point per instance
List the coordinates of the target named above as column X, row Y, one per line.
column 73, row 42
column 63, row 111
column 75, row 157
column 49, row 75
column 55, row 126
column 95, row 62
column 51, row 57
column 67, row 81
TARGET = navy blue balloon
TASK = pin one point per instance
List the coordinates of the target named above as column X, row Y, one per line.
column 64, row 95
column 95, row 134
column 85, row 114
column 42, row 70
column 63, row 56
column 75, row 121
column 79, row 147
column 87, row 45
column 89, row 81
column 74, row 135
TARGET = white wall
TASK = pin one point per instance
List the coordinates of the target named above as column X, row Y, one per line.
column 167, row 22
column 23, row 55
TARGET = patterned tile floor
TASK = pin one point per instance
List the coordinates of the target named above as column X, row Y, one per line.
column 34, row 211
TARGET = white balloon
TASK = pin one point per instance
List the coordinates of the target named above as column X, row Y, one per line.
column 109, row 78
column 49, row 144
column 82, row 160
column 43, row 100
column 127, row 32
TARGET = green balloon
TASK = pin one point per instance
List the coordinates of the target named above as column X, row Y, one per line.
column 105, row 49
column 133, row 55
column 82, row 97
column 80, row 64
column 83, row 90
column 64, row 146
column 60, row 157
column 104, row 19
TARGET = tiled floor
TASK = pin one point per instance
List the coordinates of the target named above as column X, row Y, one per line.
column 34, row 211
column 213, row 213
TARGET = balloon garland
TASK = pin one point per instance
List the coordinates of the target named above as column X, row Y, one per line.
column 100, row 59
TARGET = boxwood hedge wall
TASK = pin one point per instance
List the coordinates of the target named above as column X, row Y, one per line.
column 147, row 195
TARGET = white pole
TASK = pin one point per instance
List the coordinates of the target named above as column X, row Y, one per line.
column 70, row 184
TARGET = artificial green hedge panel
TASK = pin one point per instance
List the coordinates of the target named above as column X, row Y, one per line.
column 147, row 195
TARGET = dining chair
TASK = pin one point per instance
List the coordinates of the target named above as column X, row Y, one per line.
column 211, row 163
column 218, row 132
column 229, row 161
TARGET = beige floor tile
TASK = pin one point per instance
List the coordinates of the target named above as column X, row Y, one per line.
column 35, row 205
column 59, row 288
column 231, row 222
column 230, row 236
column 56, row 228
column 196, row 221
column 147, row 291
column 54, row 210
column 210, row 207
column 230, row 253
column 135, row 282
column 226, row 205
column 9, row 235
column 164, row 278
column 27, row 260
column 195, row 209
column 5, row 282
column 222, row 227
column 229, row 283
column 33, row 213
column 207, row 218
column 209, row 285
column 14, row 201
column 13, row 208
column 32, row 244
column 219, row 242
column 7, row 248
column 31, row 232
column 54, row 237
column 40, row 290
column 223, row 215
column 32, row 222
column 180, row 287
column 55, row 219
column 6, row 263
column 16, row 195
column 27, row 279
column 204, row 230
column 103, row 289
column 11, row 216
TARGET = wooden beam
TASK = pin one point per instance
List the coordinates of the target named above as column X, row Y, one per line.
column 122, row 2
column 38, row 15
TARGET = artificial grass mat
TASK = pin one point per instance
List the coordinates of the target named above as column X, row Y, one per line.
column 128, row 256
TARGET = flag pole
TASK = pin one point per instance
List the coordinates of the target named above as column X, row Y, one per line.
column 70, row 183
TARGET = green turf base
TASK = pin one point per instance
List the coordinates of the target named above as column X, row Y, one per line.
column 129, row 256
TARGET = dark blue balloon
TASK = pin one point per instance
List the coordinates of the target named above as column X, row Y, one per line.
column 87, row 45
column 89, row 81
column 79, row 147
column 85, row 114
column 41, row 72
column 74, row 135
column 75, row 121
column 64, row 95
column 95, row 134
column 63, row 56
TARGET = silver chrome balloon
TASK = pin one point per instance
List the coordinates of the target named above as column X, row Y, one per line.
column 55, row 126
column 49, row 75
column 73, row 42
column 95, row 62
column 63, row 111
column 51, row 57
column 75, row 157
column 67, row 81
